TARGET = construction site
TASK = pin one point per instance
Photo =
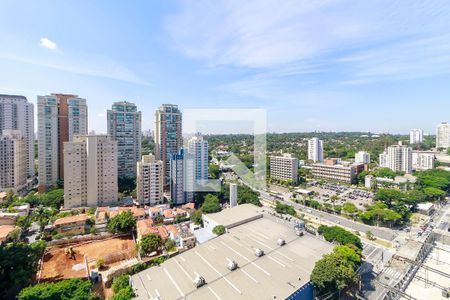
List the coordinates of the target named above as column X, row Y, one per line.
column 76, row 260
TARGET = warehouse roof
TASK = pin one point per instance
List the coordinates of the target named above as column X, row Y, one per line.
column 281, row 271
column 236, row 215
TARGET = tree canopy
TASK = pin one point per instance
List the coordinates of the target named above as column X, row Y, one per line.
column 337, row 270
column 340, row 235
column 219, row 230
column 211, row 204
column 123, row 222
column 282, row 208
column 18, row 263
column 384, row 172
column 150, row 243
column 66, row 289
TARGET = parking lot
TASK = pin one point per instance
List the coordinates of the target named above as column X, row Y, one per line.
column 324, row 192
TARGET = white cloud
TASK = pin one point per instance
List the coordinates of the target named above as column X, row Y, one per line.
column 46, row 43
column 80, row 63
column 272, row 36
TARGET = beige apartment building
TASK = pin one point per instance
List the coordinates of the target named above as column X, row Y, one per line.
column 90, row 177
column 18, row 114
column 13, row 160
column 150, row 181
column 168, row 136
column 60, row 118
column 284, row 167
column 332, row 170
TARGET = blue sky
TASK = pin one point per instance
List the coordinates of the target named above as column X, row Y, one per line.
column 335, row 65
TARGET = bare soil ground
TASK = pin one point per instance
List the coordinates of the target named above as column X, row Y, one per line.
column 57, row 265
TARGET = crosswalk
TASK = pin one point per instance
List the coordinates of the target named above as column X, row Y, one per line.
column 391, row 273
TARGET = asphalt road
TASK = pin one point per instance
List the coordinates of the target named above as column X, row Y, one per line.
column 383, row 233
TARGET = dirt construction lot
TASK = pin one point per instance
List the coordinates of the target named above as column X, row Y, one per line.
column 58, row 265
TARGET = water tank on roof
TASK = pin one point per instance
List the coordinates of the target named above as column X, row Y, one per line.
column 199, row 281
column 232, row 265
column 281, row 242
column 259, row 252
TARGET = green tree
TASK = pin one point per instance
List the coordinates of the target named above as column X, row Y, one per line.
column 219, row 230
column 123, row 222
column 349, row 208
column 23, row 222
column 247, row 195
column 124, row 294
column 120, row 282
column 414, row 197
column 100, row 263
column 170, row 245
column 126, row 184
column 389, row 196
column 53, row 198
column 150, row 243
column 41, row 216
column 384, row 172
column 282, row 208
column 214, row 171
column 211, row 204
column 18, row 264
column 66, row 289
column 196, row 217
column 336, row 271
column 340, row 235
column 434, row 193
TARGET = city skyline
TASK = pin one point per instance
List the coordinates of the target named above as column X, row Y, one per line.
column 359, row 55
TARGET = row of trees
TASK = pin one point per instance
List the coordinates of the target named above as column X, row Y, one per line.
column 66, row 289
column 53, row 198
column 282, row 208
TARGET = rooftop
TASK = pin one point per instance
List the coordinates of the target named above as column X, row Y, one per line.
column 232, row 216
column 278, row 273
column 71, row 219
column 147, row 226
column 5, row 230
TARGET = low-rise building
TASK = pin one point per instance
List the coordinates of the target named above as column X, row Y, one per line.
column 182, row 236
column 73, row 225
column 258, row 258
column 23, row 210
column 147, row 226
column 6, row 231
column 8, row 218
column 3, row 196
column 104, row 213
column 189, row 208
column 232, row 217
column 426, row 208
column 330, row 169
column 157, row 211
